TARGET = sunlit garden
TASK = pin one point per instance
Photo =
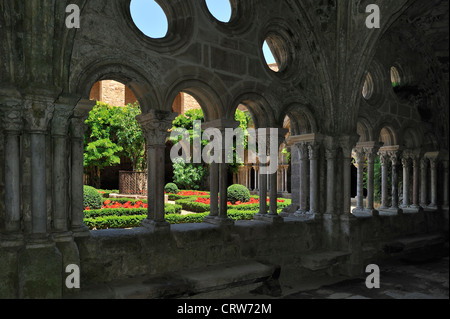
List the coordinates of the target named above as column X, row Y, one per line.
column 185, row 206
column 114, row 136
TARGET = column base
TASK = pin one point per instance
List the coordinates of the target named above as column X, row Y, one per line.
column 413, row 209
column 289, row 211
column 40, row 270
column 39, row 241
column 62, row 237
column 274, row 219
column 303, row 215
column 11, row 240
column 432, row 206
column 364, row 212
column 391, row 211
column 220, row 221
column 156, row 226
column 81, row 231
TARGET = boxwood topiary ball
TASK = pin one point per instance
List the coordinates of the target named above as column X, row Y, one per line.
column 238, row 193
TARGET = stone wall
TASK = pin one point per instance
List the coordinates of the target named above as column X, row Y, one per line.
column 111, row 255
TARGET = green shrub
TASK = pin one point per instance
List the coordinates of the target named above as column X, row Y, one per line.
column 169, row 209
column 238, row 193
column 190, row 204
column 107, row 222
column 124, row 200
column 92, row 198
column 171, row 188
column 106, row 192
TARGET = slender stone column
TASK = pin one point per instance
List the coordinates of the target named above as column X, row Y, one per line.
column 394, row 162
column 433, row 168
column 267, row 176
column 155, row 125
column 256, row 169
column 12, row 127
column 423, row 182
column 77, row 128
column 60, row 130
column 273, row 195
column 222, row 218
column 415, row 194
column 304, row 183
column 330, row 155
column 314, row 149
column 445, row 200
column 223, row 125
column 214, row 191
column 286, row 169
column 360, row 161
column 384, row 183
column 37, row 114
column 370, row 154
column 406, row 163
column 346, row 176
column 262, row 190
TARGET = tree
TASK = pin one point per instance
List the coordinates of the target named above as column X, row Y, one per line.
column 130, row 136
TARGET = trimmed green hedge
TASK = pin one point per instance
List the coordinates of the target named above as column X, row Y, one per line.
column 238, row 193
column 106, row 192
column 92, row 198
column 126, row 200
column 190, row 205
column 108, row 222
column 169, row 209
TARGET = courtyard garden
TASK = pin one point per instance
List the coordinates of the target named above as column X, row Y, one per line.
column 184, row 206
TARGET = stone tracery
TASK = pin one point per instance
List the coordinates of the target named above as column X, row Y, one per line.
column 42, row 130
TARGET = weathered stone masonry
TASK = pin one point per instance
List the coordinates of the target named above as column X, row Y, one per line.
column 325, row 53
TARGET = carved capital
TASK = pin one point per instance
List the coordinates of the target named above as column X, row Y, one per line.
column 77, row 127
column 61, row 120
column 330, row 153
column 38, row 112
column 394, row 158
column 347, row 144
column 406, row 162
column 384, row 158
column 12, row 118
column 433, row 163
column 156, row 125
column 359, row 156
column 313, row 150
column 302, row 150
column 424, row 163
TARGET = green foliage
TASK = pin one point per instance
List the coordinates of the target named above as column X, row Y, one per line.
column 92, row 198
column 96, row 213
column 238, row 193
column 113, row 132
column 287, row 154
column 106, row 192
column 189, row 176
column 190, row 205
column 245, row 122
column 171, row 188
column 187, row 119
column 128, row 218
column 130, row 136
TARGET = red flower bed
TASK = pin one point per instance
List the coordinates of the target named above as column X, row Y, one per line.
column 109, row 204
column 252, row 201
column 192, row 193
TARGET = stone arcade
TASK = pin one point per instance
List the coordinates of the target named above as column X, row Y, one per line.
column 350, row 93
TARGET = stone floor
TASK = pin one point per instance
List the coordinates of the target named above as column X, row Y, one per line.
column 423, row 275
column 414, row 277
column 398, row 281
